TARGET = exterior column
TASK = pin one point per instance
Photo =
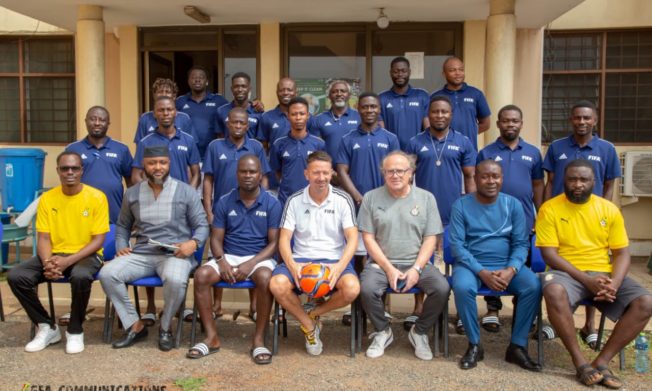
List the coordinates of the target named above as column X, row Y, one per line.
column 89, row 61
column 270, row 62
column 499, row 59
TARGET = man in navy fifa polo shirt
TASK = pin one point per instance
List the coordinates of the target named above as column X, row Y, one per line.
column 241, row 89
column 147, row 123
column 445, row 163
column 522, row 178
column 274, row 123
column 184, row 156
column 404, row 109
column 288, row 154
column 583, row 144
column 333, row 124
column 201, row 106
column 244, row 238
column 470, row 108
column 106, row 161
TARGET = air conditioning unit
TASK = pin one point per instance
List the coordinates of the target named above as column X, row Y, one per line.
column 637, row 178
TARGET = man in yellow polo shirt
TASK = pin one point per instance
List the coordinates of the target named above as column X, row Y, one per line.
column 71, row 222
column 575, row 231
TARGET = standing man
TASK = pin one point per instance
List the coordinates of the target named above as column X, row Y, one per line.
column 583, row 144
column 244, row 238
column 183, row 152
column 201, row 105
column 71, row 223
column 165, row 210
column 320, row 221
column 241, row 89
column 470, row 108
column 576, row 231
column 106, row 161
column 220, row 169
column 147, row 123
column 288, row 155
column 522, row 178
column 490, row 243
column 404, row 109
column 333, row 124
column 400, row 224
column 444, row 156
column 275, row 123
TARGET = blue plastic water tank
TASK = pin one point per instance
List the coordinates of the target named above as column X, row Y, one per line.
column 21, row 175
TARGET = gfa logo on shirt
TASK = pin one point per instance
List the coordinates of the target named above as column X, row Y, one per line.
column 603, row 222
column 85, row 213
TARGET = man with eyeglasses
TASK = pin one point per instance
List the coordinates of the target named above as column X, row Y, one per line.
column 399, row 224
column 71, row 223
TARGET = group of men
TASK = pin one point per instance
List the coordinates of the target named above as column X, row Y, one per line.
column 397, row 173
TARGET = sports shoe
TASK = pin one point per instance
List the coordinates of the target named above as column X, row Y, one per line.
column 314, row 346
column 44, row 337
column 421, row 344
column 74, row 343
column 381, row 340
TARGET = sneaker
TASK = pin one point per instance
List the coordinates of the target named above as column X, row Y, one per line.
column 74, row 343
column 314, row 345
column 421, row 344
column 381, row 340
column 44, row 337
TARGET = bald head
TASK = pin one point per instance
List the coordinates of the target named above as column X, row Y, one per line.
column 286, row 89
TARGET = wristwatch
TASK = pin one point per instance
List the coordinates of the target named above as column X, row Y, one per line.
column 197, row 243
column 418, row 269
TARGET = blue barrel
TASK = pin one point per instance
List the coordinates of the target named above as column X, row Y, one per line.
column 21, row 175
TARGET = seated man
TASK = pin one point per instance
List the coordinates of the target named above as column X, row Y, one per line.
column 71, row 222
column 489, row 241
column 399, row 224
column 575, row 231
column 167, row 211
column 321, row 221
column 244, row 239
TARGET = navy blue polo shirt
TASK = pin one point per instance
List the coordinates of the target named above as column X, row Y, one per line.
column 602, row 154
column 520, row 167
column 445, row 181
column 331, row 129
column 183, row 152
column 222, row 118
column 203, row 115
column 288, row 155
column 246, row 228
column 469, row 106
column 272, row 125
column 104, row 169
column 403, row 114
column 363, row 152
column 221, row 162
column 147, row 124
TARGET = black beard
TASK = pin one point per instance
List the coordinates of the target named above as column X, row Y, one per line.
column 581, row 199
column 156, row 181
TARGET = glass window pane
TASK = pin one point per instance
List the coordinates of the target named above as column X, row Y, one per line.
column 435, row 45
column 631, row 49
column 240, row 51
column 9, row 55
column 628, row 98
column 49, row 55
column 578, row 51
column 560, row 92
column 9, row 110
column 45, row 122
column 318, row 57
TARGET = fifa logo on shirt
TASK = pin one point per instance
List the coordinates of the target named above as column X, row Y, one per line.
column 111, row 154
column 329, row 211
column 416, row 104
column 469, row 100
column 261, row 213
column 182, row 148
column 382, row 145
column 353, row 122
column 210, row 104
column 528, row 158
column 454, row 148
column 596, row 158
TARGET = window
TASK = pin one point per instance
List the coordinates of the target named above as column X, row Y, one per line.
column 612, row 69
column 37, row 90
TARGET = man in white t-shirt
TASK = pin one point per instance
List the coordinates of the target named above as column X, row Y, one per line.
column 320, row 220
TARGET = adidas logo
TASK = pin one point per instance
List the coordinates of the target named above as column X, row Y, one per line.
column 185, row 107
column 563, row 156
column 498, row 159
column 151, row 129
column 286, row 154
column 83, row 156
column 275, row 126
column 232, row 213
column 389, row 106
column 356, row 146
column 424, row 149
column 328, row 123
column 223, row 157
column 307, row 212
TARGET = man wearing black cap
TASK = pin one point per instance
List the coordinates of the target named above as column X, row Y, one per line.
column 165, row 211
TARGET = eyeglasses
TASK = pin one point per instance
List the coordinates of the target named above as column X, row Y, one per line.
column 397, row 172
column 70, row 168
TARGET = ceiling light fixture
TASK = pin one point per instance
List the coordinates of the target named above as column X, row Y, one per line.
column 196, row 14
column 383, row 20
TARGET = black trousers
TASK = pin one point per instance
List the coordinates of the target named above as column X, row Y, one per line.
column 25, row 277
